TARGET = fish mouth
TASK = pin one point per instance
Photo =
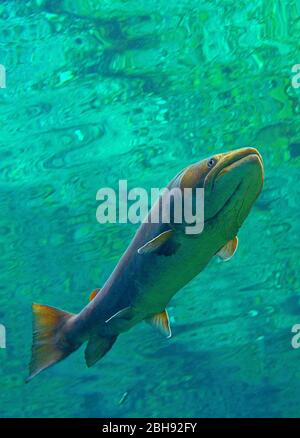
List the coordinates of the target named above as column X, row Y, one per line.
column 225, row 180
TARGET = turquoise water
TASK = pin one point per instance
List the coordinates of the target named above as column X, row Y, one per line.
column 99, row 91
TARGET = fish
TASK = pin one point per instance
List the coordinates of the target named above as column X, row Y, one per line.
column 160, row 260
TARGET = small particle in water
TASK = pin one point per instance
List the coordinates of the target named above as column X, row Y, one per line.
column 172, row 319
column 123, row 398
column 79, row 134
column 65, row 76
column 270, row 309
column 253, row 313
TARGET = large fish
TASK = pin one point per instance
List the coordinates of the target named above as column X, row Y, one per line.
column 159, row 261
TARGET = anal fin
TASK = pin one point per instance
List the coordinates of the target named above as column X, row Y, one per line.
column 97, row 347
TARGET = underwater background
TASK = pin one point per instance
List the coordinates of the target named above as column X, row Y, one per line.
column 103, row 90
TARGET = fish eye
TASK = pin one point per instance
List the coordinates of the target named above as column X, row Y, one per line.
column 211, row 162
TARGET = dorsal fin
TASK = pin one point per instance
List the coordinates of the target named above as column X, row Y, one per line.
column 94, row 293
column 161, row 322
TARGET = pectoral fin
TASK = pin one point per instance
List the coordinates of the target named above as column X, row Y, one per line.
column 229, row 249
column 155, row 243
column 161, row 322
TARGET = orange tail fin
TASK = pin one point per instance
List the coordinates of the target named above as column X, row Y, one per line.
column 49, row 345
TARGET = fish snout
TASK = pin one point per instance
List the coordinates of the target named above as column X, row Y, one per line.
column 246, row 163
column 237, row 181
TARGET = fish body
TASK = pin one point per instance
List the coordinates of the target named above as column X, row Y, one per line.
column 160, row 260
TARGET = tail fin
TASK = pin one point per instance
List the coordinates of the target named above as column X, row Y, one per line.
column 49, row 344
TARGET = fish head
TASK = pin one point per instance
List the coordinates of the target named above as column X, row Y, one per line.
column 231, row 181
